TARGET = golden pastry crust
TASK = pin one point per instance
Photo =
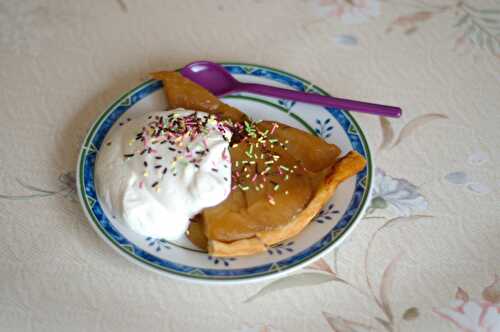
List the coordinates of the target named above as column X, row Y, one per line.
column 181, row 92
column 243, row 247
column 346, row 167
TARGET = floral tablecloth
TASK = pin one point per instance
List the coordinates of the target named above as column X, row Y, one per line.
column 426, row 257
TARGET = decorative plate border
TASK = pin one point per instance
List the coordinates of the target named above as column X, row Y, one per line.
column 94, row 212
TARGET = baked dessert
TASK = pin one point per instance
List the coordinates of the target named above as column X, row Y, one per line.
column 280, row 176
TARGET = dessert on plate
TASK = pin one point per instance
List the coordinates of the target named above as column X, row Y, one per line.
column 235, row 186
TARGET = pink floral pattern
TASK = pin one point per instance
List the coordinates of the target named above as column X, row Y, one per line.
column 474, row 315
column 476, row 28
column 350, row 11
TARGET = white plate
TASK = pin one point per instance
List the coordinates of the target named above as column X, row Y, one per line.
column 181, row 259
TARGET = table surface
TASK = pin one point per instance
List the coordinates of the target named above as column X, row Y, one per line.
column 425, row 258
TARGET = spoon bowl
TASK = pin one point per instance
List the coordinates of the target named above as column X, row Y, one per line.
column 211, row 76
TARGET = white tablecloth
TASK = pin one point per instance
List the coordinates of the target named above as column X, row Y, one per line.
column 432, row 267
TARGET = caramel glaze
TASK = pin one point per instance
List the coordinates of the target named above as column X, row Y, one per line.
column 269, row 193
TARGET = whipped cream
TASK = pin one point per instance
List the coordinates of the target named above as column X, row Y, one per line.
column 153, row 173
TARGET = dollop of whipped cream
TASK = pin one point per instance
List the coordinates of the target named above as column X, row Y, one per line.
column 153, row 173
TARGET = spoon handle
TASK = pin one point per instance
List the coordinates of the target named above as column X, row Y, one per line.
column 351, row 105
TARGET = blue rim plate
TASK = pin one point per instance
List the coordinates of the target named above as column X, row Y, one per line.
column 183, row 261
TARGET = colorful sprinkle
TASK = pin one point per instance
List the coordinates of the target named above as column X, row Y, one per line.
column 244, row 188
column 275, row 125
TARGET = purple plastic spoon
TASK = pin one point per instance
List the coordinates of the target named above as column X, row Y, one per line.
column 217, row 80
